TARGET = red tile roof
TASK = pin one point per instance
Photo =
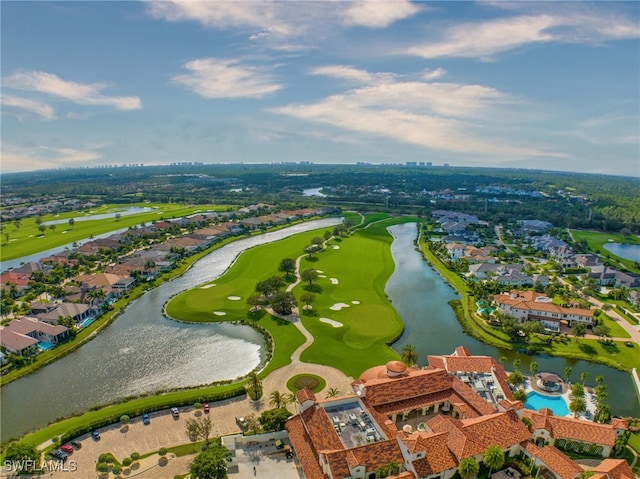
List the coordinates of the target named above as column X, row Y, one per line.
column 555, row 460
column 615, row 468
column 472, row 436
column 319, row 427
column 371, row 456
column 305, row 394
column 569, row 428
column 437, row 458
column 304, row 449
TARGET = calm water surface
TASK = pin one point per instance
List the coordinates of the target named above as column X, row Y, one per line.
column 421, row 298
column 142, row 352
column 624, row 250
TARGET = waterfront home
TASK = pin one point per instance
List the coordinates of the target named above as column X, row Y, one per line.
column 19, row 280
column 532, row 306
column 23, row 333
column 113, row 285
column 76, row 311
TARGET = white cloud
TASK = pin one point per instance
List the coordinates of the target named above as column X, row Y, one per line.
column 443, row 116
column 484, row 39
column 44, row 111
column 377, row 13
column 280, row 19
column 433, row 74
column 346, row 72
column 84, row 94
column 226, row 78
column 16, row 158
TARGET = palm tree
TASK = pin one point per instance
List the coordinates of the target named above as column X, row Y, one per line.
column 493, row 457
column 332, row 392
column 516, row 363
column 533, row 367
column 409, row 355
column 599, row 378
column 254, row 384
column 567, row 373
column 277, row 399
column 584, row 377
column 468, row 468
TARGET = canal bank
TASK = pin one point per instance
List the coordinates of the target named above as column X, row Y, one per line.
column 421, row 297
column 143, row 352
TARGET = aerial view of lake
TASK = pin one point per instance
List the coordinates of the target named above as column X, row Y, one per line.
column 624, row 250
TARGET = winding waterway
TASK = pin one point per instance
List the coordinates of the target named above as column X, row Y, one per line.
column 421, row 298
column 142, row 352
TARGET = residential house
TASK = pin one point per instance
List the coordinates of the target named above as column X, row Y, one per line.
column 76, row 311
column 19, row 280
column 24, row 333
column 532, row 306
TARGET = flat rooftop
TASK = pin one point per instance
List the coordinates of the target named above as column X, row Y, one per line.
column 353, row 424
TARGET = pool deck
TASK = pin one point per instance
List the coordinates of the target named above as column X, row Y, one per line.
column 530, row 385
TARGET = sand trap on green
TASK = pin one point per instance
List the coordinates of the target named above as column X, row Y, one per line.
column 335, row 246
column 234, row 298
column 333, row 323
column 333, row 280
column 355, row 302
column 319, row 271
column 322, row 276
column 338, row 306
column 219, row 313
column 207, row 286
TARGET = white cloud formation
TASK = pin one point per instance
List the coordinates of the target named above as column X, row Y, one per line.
column 282, row 19
column 377, row 13
column 16, row 158
column 226, row 78
column 81, row 93
column 484, row 39
column 350, row 73
column 44, row 111
column 442, row 116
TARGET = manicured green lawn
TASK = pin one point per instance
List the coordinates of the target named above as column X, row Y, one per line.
column 634, row 441
column 362, row 265
column 373, row 217
column 252, row 266
column 597, row 239
column 617, row 331
column 28, row 240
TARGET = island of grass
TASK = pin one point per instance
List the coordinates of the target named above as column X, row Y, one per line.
column 354, row 274
column 309, row 381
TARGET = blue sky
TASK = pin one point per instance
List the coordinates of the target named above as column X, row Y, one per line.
column 544, row 85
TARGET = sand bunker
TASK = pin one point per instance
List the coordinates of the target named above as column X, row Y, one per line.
column 338, row 306
column 322, row 276
column 355, row 302
column 335, row 246
column 333, row 280
column 207, row 286
column 234, row 298
column 333, row 323
column 219, row 313
column 319, row 271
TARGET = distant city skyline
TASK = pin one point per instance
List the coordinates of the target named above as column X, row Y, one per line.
column 534, row 85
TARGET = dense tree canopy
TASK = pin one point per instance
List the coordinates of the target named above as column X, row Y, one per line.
column 211, row 463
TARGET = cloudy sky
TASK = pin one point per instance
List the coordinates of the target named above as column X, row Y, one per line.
column 544, row 85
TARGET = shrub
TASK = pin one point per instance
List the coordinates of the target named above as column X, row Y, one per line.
column 162, row 451
column 135, row 456
column 102, row 467
column 126, row 462
column 116, row 469
column 102, row 458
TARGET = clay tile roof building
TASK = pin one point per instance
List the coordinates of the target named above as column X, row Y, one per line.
column 354, row 436
column 614, row 469
column 569, row 428
column 553, row 459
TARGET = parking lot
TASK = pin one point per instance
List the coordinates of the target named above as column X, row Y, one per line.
column 165, row 431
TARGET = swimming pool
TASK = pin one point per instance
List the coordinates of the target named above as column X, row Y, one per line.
column 538, row 401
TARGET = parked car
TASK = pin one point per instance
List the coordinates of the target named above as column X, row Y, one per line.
column 241, row 422
column 174, row 412
column 95, row 435
column 67, row 448
column 205, row 406
column 146, row 420
column 58, row 454
column 76, row 444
